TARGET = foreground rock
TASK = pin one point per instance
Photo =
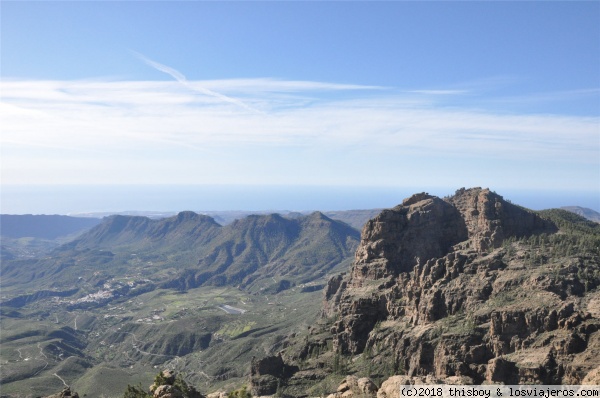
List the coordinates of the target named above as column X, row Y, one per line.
column 268, row 374
column 168, row 385
column 353, row 386
column 65, row 393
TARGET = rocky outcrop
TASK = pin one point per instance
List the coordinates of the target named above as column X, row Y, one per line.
column 65, row 393
column 438, row 290
column 353, row 386
column 423, row 227
column 392, row 244
column 490, row 219
column 268, row 374
column 168, row 385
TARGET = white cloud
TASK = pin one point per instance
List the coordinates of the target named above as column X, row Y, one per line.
column 174, row 73
column 154, row 126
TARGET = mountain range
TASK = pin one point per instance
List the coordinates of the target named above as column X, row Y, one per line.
column 161, row 290
column 470, row 289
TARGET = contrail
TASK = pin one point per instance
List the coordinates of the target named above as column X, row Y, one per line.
column 175, row 74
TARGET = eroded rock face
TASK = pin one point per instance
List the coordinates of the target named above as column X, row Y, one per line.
column 267, row 374
column 490, row 219
column 392, row 244
column 353, row 386
column 434, row 291
column 423, row 227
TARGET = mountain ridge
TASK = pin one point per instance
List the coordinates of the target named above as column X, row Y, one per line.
column 588, row 213
column 494, row 294
column 200, row 251
column 468, row 288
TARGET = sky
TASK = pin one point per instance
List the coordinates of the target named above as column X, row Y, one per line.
column 113, row 105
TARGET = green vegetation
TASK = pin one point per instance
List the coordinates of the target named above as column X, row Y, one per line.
column 240, row 393
column 160, row 314
column 577, row 235
column 124, row 340
column 136, row 392
column 160, row 379
column 235, row 328
column 133, row 294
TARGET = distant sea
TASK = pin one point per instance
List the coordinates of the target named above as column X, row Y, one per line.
column 73, row 199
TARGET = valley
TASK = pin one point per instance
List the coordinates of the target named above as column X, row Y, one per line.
column 431, row 288
column 131, row 296
column 132, row 338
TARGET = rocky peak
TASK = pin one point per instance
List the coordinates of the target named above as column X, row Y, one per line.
column 266, row 374
column 186, row 216
column 490, row 219
column 409, row 254
column 435, row 289
column 423, row 227
column 415, row 198
column 317, row 216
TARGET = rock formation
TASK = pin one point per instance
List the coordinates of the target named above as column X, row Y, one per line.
column 65, row 393
column 353, row 386
column 470, row 287
column 267, row 375
column 168, row 385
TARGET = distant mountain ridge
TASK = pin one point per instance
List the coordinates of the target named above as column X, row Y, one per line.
column 182, row 230
column 354, row 218
column 43, row 226
column 585, row 212
column 189, row 250
column 262, row 247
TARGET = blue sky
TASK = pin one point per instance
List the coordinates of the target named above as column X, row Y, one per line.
column 393, row 95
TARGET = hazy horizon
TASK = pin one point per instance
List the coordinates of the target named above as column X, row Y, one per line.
column 349, row 96
column 72, row 200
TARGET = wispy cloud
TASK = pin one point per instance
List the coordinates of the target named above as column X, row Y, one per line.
column 197, row 88
column 71, row 131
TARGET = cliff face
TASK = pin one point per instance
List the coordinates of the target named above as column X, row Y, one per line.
column 490, row 219
column 422, row 227
column 468, row 286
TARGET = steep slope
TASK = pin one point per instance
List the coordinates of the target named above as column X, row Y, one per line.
column 121, row 249
column 419, row 237
column 137, row 233
column 271, row 252
column 186, row 251
column 472, row 287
